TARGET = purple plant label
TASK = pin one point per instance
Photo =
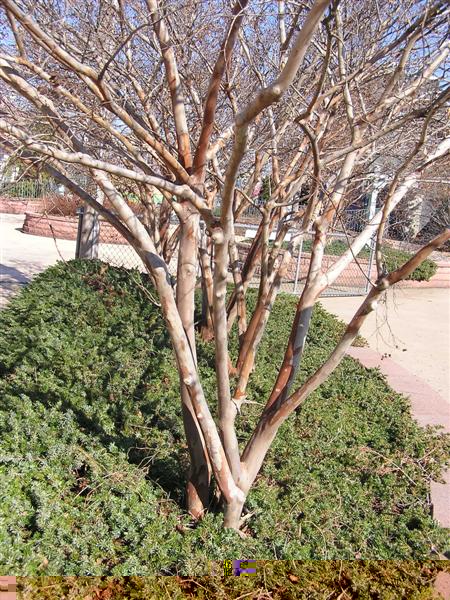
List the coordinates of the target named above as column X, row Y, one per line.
column 244, row 567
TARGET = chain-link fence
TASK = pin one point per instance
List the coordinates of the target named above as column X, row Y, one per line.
column 416, row 223
column 354, row 279
column 115, row 250
column 120, row 255
column 29, row 189
column 251, row 214
column 98, row 239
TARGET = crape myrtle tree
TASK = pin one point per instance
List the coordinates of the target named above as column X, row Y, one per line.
column 201, row 102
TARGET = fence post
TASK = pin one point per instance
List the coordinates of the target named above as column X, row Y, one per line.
column 90, row 230
column 89, row 234
column 80, row 213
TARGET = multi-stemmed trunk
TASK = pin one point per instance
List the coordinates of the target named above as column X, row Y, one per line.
column 199, row 477
column 141, row 145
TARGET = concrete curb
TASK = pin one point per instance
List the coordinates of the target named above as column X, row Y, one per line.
column 428, row 408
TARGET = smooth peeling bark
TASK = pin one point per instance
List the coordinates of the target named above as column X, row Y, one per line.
column 232, row 312
column 164, row 224
column 268, row 96
column 241, row 311
column 201, row 154
column 199, row 478
column 172, row 245
column 255, row 329
column 295, row 346
column 249, row 336
column 231, row 493
column 188, row 371
column 315, row 283
column 210, row 103
column 220, row 334
column 251, row 262
column 266, row 222
column 173, row 82
column 85, row 160
column 221, row 238
column 258, row 326
column 248, row 361
column 197, row 418
column 207, row 327
column 247, row 272
column 199, row 475
column 226, row 407
column 258, row 322
column 233, row 512
column 187, row 271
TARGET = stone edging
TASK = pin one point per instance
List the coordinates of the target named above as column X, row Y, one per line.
column 65, row 228
column 16, row 206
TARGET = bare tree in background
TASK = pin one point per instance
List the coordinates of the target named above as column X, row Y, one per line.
column 201, row 102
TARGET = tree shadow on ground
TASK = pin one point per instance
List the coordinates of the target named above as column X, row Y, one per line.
column 8, row 273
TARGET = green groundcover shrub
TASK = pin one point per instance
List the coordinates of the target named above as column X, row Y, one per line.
column 276, row 580
column 395, row 258
column 92, row 452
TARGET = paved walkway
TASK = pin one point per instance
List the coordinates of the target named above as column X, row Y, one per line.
column 22, row 256
column 409, row 341
column 412, row 328
column 442, row 586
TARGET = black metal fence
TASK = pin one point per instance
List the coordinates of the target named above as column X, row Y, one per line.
column 28, row 188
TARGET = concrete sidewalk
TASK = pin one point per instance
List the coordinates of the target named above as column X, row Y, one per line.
column 409, row 341
column 412, row 327
column 22, row 256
